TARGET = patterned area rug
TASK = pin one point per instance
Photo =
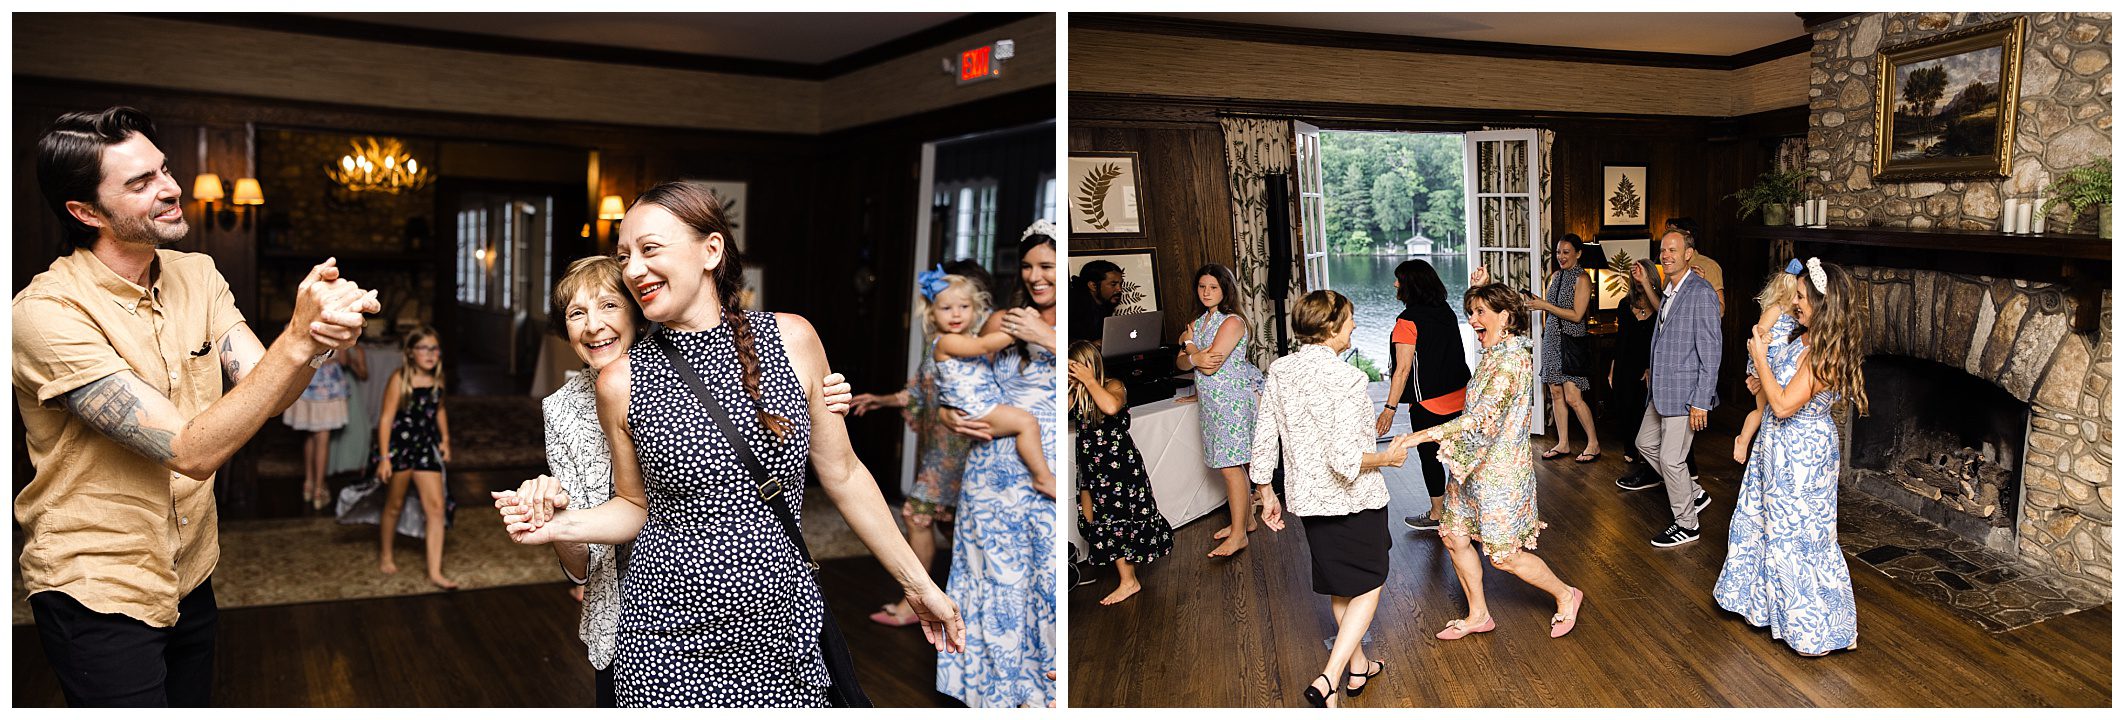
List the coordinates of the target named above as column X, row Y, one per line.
column 277, row 562
column 487, row 432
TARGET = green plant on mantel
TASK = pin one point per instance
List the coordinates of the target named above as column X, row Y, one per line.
column 1771, row 188
column 2082, row 187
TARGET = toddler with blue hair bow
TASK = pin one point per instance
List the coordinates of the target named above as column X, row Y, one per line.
column 953, row 309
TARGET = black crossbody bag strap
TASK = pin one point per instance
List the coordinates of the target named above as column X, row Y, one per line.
column 839, row 664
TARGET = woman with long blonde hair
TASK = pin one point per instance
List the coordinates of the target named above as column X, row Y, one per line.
column 1783, row 567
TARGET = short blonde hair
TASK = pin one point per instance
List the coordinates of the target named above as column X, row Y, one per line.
column 597, row 272
column 1318, row 314
column 981, row 300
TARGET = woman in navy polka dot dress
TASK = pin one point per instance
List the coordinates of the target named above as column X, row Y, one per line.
column 718, row 606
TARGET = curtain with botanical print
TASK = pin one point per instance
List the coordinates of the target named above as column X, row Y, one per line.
column 1253, row 149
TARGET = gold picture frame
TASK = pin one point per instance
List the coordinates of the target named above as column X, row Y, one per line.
column 1944, row 106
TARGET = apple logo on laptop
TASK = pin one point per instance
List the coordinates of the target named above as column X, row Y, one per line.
column 1132, row 334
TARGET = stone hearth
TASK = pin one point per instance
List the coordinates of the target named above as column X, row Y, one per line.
column 2013, row 333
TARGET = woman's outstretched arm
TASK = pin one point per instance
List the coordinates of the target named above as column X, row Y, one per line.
column 855, row 492
column 609, row 523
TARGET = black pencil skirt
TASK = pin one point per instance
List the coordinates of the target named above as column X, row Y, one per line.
column 1349, row 551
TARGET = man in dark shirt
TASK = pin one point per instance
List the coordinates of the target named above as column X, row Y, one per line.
column 1098, row 295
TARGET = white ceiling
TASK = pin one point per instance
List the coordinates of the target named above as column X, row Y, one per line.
column 1691, row 33
column 810, row 38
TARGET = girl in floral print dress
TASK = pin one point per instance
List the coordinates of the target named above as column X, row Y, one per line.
column 1121, row 522
column 1228, row 387
column 1490, row 498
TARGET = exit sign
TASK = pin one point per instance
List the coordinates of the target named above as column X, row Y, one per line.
column 977, row 64
column 981, row 63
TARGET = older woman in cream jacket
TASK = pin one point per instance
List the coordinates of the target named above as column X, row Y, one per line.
column 1315, row 410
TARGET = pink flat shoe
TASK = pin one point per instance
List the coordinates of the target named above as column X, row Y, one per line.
column 1458, row 629
column 886, row 618
column 1561, row 624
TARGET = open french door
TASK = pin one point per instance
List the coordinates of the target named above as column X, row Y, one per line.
column 1312, row 208
column 1504, row 220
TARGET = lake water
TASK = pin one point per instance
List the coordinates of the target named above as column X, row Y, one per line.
column 1368, row 280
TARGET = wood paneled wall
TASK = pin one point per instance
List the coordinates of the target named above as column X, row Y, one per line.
column 914, row 83
column 1124, row 62
column 1188, row 209
column 218, row 58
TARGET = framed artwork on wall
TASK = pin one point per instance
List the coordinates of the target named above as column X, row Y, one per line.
column 1139, row 276
column 1104, row 195
column 732, row 194
column 1622, row 197
column 1944, row 106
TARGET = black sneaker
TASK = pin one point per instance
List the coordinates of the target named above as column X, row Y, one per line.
column 1703, row 500
column 1674, row 535
column 1420, row 522
column 1638, row 481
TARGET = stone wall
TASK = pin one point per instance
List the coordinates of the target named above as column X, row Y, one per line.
column 2063, row 119
column 2014, row 334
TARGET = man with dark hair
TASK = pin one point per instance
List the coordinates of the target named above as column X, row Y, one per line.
column 1098, row 295
column 121, row 348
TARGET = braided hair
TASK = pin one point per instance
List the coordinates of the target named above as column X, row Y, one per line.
column 699, row 210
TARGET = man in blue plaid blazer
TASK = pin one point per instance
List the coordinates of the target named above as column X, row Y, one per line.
column 1685, row 356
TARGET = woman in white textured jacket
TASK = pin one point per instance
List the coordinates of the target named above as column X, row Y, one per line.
column 1315, row 409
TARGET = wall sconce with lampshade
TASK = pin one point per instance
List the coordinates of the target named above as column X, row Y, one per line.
column 612, row 209
column 210, row 188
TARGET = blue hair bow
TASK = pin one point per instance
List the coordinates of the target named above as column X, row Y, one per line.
column 1794, row 267
column 931, row 282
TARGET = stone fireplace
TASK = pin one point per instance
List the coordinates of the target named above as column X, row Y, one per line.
column 1963, row 360
column 1944, row 445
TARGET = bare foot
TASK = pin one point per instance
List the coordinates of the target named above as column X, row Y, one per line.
column 1226, row 531
column 1740, row 448
column 1231, row 546
column 1121, row 593
column 1556, row 452
column 388, row 567
column 442, row 582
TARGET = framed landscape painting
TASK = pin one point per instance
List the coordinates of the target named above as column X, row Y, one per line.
column 1103, row 194
column 1944, row 106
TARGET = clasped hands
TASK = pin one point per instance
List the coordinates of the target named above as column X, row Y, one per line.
column 331, row 308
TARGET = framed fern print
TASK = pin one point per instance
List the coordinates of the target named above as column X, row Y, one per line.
column 1622, row 197
column 1104, row 199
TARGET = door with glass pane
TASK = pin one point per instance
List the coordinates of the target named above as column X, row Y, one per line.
column 1312, row 209
column 1504, row 211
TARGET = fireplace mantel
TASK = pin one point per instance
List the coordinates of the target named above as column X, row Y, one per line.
column 2081, row 262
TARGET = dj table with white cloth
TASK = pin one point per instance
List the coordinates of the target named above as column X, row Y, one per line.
column 1169, row 434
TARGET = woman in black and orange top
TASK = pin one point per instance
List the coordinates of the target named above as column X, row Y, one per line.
column 1430, row 366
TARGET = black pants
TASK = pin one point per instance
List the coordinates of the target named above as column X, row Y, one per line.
column 1434, row 476
column 109, row 660
column 606, row 695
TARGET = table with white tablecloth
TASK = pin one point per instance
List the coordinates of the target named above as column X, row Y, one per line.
column 1169, row 435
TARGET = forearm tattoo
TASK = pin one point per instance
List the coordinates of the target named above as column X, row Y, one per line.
column 110, row 406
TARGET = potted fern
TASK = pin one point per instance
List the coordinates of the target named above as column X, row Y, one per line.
column 1773, row 193
column 2080, row 187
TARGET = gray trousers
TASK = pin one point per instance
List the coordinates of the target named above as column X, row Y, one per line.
column 1664, row 444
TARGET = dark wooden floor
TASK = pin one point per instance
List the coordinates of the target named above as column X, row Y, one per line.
column 502, row 647
column 1249, row 631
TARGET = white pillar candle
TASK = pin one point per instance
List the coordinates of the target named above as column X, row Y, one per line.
column 2040, row 217
column 1799, row 217
column 2021, row 218
column 1821, row 212
column 2006, row 215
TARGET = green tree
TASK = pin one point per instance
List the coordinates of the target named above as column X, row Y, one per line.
column 1924, row 87
column 1393, row 204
